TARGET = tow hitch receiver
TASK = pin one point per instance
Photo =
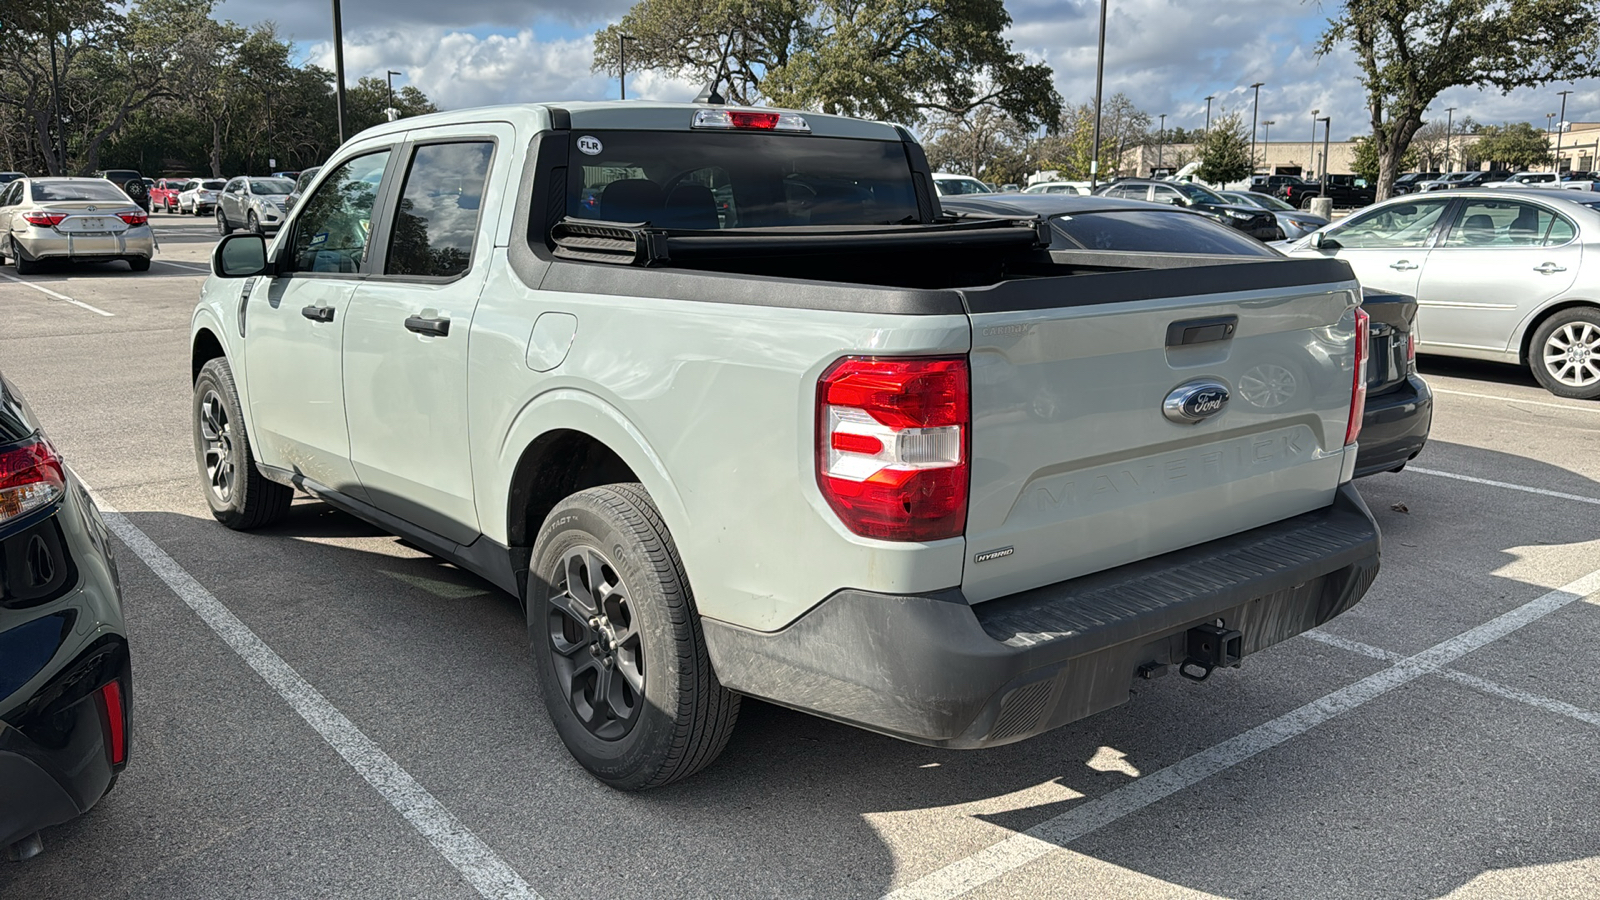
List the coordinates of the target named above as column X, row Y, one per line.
column 1211, row 647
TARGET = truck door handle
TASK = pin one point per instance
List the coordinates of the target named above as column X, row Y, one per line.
column 1403, row 265
column 1549, row 268
column 317, row 313
column 439, row 326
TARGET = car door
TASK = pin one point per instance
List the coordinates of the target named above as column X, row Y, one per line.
column 1499, row 261
column 231, row 201
column 295, row 321
column 405, row 340
column 1386, row 246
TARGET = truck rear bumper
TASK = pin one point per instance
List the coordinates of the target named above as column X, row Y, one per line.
column 935, row 670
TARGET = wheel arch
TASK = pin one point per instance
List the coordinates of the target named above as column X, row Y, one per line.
column 1533, row 322
column 204, row 347
column 554, row 466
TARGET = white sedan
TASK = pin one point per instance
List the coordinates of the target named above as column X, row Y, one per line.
column 1498, row 275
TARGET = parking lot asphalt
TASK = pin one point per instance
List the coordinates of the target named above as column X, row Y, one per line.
column 321, row 711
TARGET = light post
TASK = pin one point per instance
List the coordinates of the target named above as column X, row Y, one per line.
column 1560, row 132
column 1327, row 126
column 622, row 62
column 1099, row 80
column 338, row 68
column 1548, row 118
column 1311, row 148
column 1449, row 126
column 391, row 113
column 1253, row 108
column 1266, row 145
column 1208, row 112
column 1161, row 141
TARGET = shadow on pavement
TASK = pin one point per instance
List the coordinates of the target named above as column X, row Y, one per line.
column 1477, row 370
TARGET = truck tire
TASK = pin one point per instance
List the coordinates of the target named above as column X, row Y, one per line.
column 239, row 496
column 1565, row 353
column 620, row 656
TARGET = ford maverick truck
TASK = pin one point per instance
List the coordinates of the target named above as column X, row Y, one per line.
column 734, row 408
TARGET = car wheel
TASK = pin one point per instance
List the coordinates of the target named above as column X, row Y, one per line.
column 1305, row 202
column 222, row 223
column 139, row 263
column 620, row 655
column 239, row 496
column 251, row 223
column 27, row 266
column 1565, row 354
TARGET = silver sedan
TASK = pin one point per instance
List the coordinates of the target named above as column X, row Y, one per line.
column 1503, row 275
column 72, row 219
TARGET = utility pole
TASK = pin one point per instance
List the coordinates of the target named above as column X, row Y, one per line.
column 1099, row 81
column 1208, row 112
column 1327, row 126
column 1254, row 107
column 1161, row 141
column 391, row 113
column 1449, row 126
column 1266, row 145
column 338, row 67
column 1548, row 117
column 1561, row 132
column 1311, row 148
column 622, row 63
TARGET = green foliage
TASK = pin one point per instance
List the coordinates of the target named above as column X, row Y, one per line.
column 1224, row 151
column 1511, row 146
column 1366, row 159
column 896, row 60
column 1409, row 51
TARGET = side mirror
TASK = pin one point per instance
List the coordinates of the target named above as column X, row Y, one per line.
column 1320, row 241
column 1177, row 201
column 240, row 256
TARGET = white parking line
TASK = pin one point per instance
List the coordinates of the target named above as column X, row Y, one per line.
column 1595, row 408
column 1577, row 498
column 475, row 860
column 1020, row 849
column 168, row 262
column 45, row 290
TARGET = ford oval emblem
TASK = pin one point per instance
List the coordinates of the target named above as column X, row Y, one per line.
column 1195, row 401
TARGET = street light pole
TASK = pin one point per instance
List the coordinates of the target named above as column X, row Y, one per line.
column 1548, row 117
column 1254, row 107
column 1266, row 145
column 1311, row 148
column 1560, row 132
column 391, row 113
column 1208, row 112
column 1161, row 141
column 1099, row 81
column 1449, row 126
column 1327, row 126
column 622, row 63
column 338, row 68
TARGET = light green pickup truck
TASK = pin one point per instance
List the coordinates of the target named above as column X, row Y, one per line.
column 735, row 409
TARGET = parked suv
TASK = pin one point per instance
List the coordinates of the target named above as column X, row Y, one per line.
column 826, row 445
column 1256, row 222
column 199, row 197
column 1408, row 182
column 255, row 203
column 164, row 196
column 132, row 183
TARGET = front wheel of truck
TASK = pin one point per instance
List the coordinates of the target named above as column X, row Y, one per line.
column 617, row 643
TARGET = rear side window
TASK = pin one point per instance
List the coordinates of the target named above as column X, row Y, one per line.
column 1154, row 231
column 1504, row 223
column 437, row 218
column 331, row 233
column 704, row 180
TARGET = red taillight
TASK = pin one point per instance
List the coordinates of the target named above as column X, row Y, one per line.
column 136, row 218
column 31, row 477
column 1411, row 346
column 753, row 119
column 893, row 439
column 44, row 219
column 1358, row 386
column 116, row 722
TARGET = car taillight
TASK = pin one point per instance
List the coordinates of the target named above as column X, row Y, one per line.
column 31, row 477
column 750, row 120
column 893, row 445
column 44, row 219
column 1358, row 385
column 138, row 218
column 116, row 722
column 1411, row 349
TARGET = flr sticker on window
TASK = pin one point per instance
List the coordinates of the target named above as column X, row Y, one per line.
column 590, row 145
column 321, row 237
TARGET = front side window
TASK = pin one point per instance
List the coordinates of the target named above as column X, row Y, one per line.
column 331, row 232
column 1402, row 225
column 1164, row 194
column 437, row 218
column 1506, row 223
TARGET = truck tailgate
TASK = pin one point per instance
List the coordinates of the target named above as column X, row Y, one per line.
column 1076, row 466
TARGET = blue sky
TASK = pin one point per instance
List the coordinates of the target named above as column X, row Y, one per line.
column 1167, row 55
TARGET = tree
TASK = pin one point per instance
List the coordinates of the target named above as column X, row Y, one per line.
column 1434, row 144
column 986, row 143
column 1366, row 158
column 897, row 60
column 1224, row 151
column 1071, row 148
column 1512, row 146
column 1410, row 51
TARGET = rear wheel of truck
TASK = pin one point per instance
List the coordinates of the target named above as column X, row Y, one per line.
column 617, row 643
column 1565, row 354
column 239, row 496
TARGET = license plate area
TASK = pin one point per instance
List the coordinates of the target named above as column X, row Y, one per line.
column 91, row 225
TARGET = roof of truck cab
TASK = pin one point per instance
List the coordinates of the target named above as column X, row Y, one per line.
column 631, row 115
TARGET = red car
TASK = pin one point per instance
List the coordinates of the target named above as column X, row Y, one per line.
column 164, row 196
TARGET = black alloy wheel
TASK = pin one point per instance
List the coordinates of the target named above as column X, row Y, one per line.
column 240, row 497
column 599, row 662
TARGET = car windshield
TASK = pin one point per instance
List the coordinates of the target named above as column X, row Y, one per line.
column 1156, row 231
column 45, row 191
column 738, row 180
column 271, row 185
column 1198, row 194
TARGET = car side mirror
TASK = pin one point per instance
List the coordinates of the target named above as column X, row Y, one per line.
column 1177, row 201
column 1320, row 241
column 240, row 256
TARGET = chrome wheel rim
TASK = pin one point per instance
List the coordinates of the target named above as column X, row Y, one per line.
column 1572, row 354
column 216, row 439
column 598, row 656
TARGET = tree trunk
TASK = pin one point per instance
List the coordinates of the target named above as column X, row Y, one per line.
column 216, row 149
